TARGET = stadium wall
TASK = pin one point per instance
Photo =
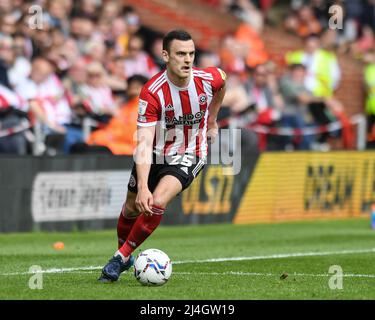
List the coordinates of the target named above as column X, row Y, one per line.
column 82, row 192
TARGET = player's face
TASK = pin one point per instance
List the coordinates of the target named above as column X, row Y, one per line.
column 180, row 58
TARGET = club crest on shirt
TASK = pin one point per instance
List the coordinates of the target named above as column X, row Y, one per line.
column 202, row 98
column 142, row 106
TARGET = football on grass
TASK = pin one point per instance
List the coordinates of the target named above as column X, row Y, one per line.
column 152, row 267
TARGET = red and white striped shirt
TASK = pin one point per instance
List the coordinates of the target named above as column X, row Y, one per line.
column 180, row 114
column 9, row 98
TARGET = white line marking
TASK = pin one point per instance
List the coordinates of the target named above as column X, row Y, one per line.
column 240, row 273
column 55, row 270
column 265, row 257
column 278, row 256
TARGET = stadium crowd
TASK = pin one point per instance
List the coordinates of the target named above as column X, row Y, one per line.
column 76, row 80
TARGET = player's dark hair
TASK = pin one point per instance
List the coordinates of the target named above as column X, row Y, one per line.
column 175, row 35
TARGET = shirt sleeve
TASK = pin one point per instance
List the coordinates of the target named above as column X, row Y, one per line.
column 219, row 77
column 148, row 109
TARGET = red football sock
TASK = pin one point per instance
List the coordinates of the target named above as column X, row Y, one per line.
column 143, row 227
column 124, row 226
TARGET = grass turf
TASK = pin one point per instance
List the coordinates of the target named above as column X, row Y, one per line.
column 244, row 279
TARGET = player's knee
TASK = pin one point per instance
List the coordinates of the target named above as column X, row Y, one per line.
column 159, row 200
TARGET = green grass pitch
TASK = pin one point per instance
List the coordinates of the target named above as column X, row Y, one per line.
column 247, row 262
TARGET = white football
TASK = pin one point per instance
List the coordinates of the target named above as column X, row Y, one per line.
column 152, row 267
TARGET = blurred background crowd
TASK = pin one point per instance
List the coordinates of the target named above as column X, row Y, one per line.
column 72, row 86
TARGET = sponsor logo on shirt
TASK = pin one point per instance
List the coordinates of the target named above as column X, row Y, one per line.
column 169, row 107
column 186, row 120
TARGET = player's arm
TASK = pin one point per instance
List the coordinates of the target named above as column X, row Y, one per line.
column 143, row 157
column 215, row 105
column 148, row 115
column 217, row 100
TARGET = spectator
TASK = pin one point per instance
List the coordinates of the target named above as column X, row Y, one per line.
column 74, row 83
column 20, row 66
column 365, row 43
column 116, row 78
column 208, row 59
column 156, row 52
column 369, row 81
column 295, row 113
column 110, row 10
column 353, row 12
column 89, row 8
column 120, row 36
column 41, row 39
column 97, row 95
column 323, row 77
column 7, row 25
column 232, row 55
column 320, row 10
column 75, row 80
column 256, row 52
column 12, row 111
column 132, row 20
column 83, row 30
column 63, row 55
column 118, row 135
column 95, row 50
column 261, row 91
column 246, row 11
column 138, row 61
column 264, row 99
column 6, row 56
column 323, row 71
column 46, row 96
column 368, row 11
column 303, row 23
column 57, row 15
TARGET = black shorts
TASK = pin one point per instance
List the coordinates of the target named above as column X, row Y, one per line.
column 184, row 167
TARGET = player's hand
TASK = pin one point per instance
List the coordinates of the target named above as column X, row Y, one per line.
column 144, row 201
column 212, row 131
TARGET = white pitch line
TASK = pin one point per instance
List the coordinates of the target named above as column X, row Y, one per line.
column 249, row 258
column 54, row 270
column 228, row 273
column 240, row 273
column 278, row 256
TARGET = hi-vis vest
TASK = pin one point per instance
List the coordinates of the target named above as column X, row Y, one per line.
column 370, row 84
column 323, row 67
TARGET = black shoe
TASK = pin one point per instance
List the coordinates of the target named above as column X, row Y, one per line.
column 112, row 270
